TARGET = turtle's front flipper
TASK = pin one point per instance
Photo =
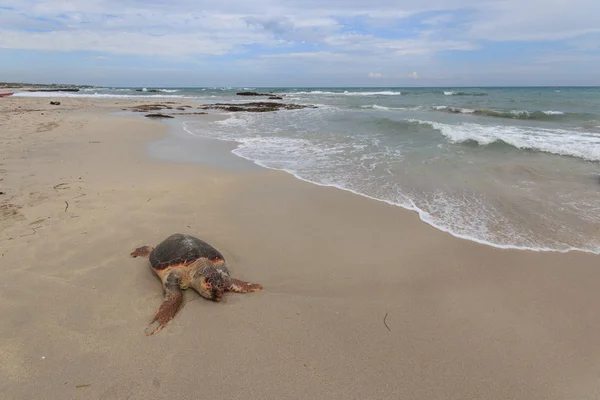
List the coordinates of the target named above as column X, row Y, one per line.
column 238, row 286
column 170, row 305
column 143, row 251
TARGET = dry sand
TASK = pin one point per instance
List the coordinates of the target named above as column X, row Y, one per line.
column 466, row 321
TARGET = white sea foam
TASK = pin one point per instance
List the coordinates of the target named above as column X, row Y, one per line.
column 448, row 93
column 553, row 112
column 555, row 141
column 376, row 107
column 455, row 109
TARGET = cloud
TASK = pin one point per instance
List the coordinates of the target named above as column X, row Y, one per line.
column 375, row 75
column 302, row 36
column 278, row 26
column 535, row 20
column 220, row 27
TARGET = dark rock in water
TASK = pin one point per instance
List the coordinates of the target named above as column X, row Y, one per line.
column 275, row 98
column 263, row 106
column 158, row 115
column 191, row 113
column 55, row 103
column 254, row 94
column 148, row 90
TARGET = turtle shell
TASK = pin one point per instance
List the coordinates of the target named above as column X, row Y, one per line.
column 181, row 249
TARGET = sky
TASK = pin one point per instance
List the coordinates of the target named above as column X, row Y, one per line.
column 319, row 43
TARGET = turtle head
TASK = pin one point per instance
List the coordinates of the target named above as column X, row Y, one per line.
column 212, row 284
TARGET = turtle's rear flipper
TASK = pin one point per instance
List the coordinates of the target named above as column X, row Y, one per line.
column 143, row 251
column 238, row 286
column 170, row 305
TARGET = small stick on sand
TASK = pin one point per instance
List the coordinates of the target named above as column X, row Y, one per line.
column 30, row 234
column 386, row 325
column 67, row 203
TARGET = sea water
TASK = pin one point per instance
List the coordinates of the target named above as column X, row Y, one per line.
column 508, row 167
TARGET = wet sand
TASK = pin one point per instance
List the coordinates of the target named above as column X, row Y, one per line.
column 362, row 300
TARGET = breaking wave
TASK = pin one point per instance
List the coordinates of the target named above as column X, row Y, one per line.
column 585, row 145
column 549, row 115
column 451, row 93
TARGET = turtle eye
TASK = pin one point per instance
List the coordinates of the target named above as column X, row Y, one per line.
column 208, row 285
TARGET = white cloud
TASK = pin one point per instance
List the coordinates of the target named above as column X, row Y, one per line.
column 145, row 27
column 535, row 20
column 375, row 75
column 312, row 35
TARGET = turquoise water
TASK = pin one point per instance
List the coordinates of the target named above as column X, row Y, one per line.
column 509, row 167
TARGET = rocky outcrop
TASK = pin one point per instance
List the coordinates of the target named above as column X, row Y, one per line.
column 254, row 94
column 158, row 115
column 275, row 98
column 53, row 90
column 264, row 106
column 55, row 103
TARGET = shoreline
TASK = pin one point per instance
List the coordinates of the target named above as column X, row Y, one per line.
column 361, row 300
column 234, row 145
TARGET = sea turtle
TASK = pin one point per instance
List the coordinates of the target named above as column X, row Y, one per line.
column 183, row 261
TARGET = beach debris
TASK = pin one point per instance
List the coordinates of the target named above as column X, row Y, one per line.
column 55, row 103
column 183, row 261
column 158, row 115
column 385, row 323
column 84, row 385
column 263, row 106
column 1, row 193
column 93, row 141
column 61, row 186
column 67, row 207
column 43, row 357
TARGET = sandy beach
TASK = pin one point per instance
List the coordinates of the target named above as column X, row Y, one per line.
column 361, row 299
